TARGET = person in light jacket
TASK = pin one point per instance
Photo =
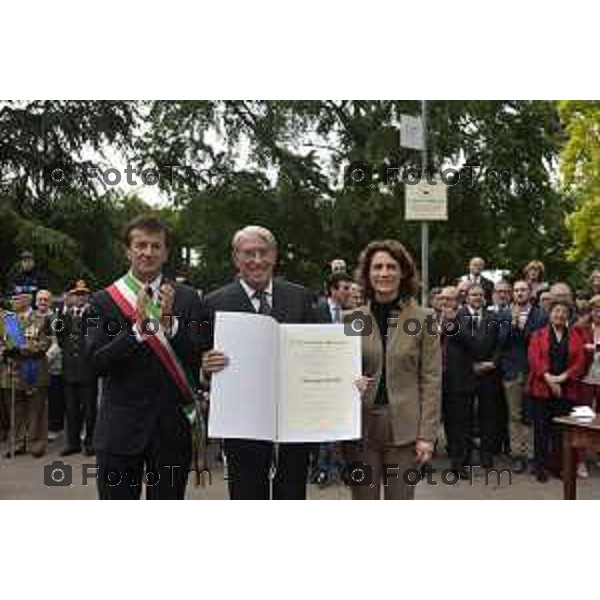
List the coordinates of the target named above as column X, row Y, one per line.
column 401, row 382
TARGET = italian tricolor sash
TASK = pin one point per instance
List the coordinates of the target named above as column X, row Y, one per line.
column 127, row 292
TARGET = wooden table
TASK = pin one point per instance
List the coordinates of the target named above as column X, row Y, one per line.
column 576, row 436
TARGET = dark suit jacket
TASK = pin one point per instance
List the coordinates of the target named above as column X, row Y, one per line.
column 513, row 358
column 139, row 397
column 486, row 337
column 322, row 310
column 76, row 365
column 460, row 354
column 292, row 303
column 471, row 345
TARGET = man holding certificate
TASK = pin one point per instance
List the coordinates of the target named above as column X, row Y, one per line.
column 255, row 291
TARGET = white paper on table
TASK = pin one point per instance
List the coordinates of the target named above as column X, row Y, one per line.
column 319, row 400
column 243, row 397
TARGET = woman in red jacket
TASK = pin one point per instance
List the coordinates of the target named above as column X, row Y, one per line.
column 556, row 361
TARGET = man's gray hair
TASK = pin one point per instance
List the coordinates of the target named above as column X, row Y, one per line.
column 250, row 231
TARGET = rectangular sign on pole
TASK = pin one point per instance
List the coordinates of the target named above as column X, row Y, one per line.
column 425, row 201
column 411, row 132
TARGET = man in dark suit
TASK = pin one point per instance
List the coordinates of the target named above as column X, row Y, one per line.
column 514, row 365
column 486, row 331
column 81, row 389
column 339, row 289
column 256, row 291
column 142, row 432
column 458, row 379
column 476, row 267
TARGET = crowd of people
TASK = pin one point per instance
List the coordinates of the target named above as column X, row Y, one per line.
column 48, row 391
column 534, row 369
column 503, row 359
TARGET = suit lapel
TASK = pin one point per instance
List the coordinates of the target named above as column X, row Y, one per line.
column 279, row 307
column 241, row 298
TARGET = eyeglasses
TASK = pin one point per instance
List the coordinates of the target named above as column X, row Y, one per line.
column 257, row 254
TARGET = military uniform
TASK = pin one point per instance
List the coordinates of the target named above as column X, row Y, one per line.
column 31, row 392
column 80, row 382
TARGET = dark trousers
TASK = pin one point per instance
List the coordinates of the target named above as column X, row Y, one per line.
column 457, row 411
column 4, row 413
column 81, row 408
column 249, row 465
column 462, row 422
column 56, row 404
column 547, row 435
column 376, row 462
column 163, row 467
column 490, row 415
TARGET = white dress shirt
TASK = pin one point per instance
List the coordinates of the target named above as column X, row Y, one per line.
column 251, row 293
column 335, row 310
column 171, row 331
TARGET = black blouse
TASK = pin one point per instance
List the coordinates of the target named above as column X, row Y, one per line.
column 559, row 352
column 382, row 313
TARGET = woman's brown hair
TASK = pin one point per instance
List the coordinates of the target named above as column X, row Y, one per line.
column 409, row 282
column 535, row 264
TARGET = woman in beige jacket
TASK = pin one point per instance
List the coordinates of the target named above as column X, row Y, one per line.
column 401, row 381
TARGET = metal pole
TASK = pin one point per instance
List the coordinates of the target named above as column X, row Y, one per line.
column 424, row 224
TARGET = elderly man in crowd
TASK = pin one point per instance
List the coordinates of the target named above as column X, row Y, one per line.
column 56, row 401
column 476, row 267
column 24, row 344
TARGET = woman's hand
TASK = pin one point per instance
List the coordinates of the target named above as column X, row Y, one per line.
column 561, row 378
column 555, row 389
column 555, row 378
column 364, row 384
column 553, row 382
column 424, row 451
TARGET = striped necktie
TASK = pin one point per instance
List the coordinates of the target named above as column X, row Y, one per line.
column 264, row 308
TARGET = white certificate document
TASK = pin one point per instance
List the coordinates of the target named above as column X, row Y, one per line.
column 284, row 382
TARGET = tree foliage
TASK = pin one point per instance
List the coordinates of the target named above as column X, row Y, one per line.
column 302, row 147
column 282, row 164
column 70, row 227
column 580, row 169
